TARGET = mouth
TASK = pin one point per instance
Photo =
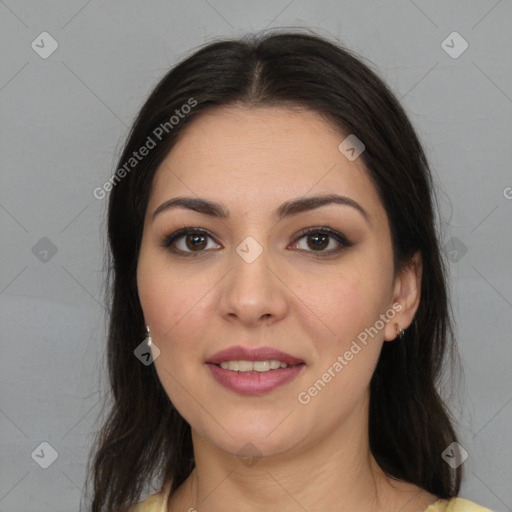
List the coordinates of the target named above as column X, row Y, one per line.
column 254, row 371
column 239, row 354
column 255, row 366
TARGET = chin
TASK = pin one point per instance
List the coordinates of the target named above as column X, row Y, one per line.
column 252, row 438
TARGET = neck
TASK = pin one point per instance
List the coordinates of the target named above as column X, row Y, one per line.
column 337, row 472
column 286, row 484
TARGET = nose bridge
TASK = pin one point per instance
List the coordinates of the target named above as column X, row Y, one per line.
column 252, row 292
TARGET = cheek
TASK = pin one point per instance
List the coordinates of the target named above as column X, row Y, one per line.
column 168, row 295
column 346, row 327
column 347, row 354
column 341, row 303
column 177, row 306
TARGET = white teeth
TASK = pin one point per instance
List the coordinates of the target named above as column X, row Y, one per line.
column 245, row 366
column 249, row 366
column 261, row 366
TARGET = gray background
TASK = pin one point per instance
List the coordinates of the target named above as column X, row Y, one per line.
column 64, row 119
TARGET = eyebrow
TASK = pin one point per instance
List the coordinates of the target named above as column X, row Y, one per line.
column 287, row 209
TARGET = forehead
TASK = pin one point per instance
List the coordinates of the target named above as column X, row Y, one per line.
column 260, row 157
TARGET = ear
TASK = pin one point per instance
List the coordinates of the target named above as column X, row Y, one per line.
column 406, row 296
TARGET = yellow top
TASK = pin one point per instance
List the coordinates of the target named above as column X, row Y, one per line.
column 156, row 503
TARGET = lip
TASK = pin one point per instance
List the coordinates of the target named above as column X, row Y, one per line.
column 254, row 383
column 240, row 353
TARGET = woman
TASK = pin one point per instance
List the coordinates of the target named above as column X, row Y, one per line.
column 280, row 313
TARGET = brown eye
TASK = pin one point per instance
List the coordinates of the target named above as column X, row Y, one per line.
column 318, row 241
column 195, row 242
column 324, row 241
column 187, row 241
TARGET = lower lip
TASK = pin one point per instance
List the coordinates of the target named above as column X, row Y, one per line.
column 254, row 383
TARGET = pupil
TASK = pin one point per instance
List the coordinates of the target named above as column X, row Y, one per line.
column 317, row 238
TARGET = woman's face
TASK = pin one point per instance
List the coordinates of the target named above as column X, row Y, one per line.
column 251, row 278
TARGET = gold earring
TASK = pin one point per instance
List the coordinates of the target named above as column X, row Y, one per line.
column 400, row 332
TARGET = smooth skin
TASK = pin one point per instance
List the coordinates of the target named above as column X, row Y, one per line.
column 300, row 296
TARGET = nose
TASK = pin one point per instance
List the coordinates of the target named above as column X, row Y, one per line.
column 252, row 292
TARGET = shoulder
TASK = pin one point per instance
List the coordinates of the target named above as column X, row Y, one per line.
column 153, row 503
column 456, row 505
column 463, row 505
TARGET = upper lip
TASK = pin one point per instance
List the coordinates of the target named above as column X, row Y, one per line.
column 239, row 353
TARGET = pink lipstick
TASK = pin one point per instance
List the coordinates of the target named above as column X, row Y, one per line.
column 253, row 371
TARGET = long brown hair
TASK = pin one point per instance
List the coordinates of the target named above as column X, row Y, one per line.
column 145, row 439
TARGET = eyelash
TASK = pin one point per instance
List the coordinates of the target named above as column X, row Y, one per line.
column 169, row 240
